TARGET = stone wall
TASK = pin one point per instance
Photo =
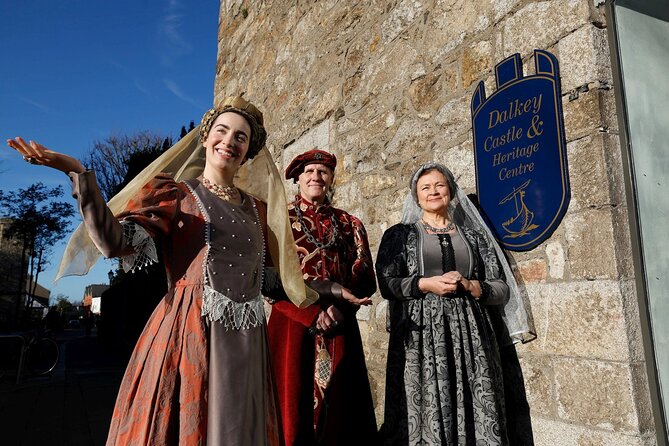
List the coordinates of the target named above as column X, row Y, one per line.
column 386, row 86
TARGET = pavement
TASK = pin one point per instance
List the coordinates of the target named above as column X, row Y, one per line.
column 72, row 406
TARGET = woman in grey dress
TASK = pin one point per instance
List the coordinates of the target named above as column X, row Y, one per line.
column 444, row 380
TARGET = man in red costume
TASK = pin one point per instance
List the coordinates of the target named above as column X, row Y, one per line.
column 317, row 354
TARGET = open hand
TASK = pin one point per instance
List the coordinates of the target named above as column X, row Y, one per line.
column 352, row 299
column 35, row 153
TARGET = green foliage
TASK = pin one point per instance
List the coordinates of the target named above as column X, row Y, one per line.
column 38, row 220
column 63, row 305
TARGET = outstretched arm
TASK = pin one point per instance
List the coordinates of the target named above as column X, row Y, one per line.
column 36, row 153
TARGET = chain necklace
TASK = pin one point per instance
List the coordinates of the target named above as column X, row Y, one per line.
column 308, row 233
column 227, row 193
column 449, row 227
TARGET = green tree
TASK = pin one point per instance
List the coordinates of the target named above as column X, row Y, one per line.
column 63, row 304
column 38, row 221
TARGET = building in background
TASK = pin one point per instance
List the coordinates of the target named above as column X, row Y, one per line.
column 93, row 298
column 387, row 86
column 16, row 304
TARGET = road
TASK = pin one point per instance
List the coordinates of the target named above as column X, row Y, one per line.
column 72, row 407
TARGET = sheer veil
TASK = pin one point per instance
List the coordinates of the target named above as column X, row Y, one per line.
column 185, row 160
column 517, row 319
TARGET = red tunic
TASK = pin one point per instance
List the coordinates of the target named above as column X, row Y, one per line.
column 342, row 414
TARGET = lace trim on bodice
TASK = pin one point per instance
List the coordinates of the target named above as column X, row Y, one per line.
column 217, row 307
column 144, row 254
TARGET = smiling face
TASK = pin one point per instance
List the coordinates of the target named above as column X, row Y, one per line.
column 315, row 182
column 227, row 142
column 433, row 193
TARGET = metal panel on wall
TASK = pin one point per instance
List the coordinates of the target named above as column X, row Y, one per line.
column 641, row 37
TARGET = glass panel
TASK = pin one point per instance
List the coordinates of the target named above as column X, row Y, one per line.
column 643, row 42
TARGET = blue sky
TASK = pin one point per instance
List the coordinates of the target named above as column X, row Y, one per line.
column 77, row 71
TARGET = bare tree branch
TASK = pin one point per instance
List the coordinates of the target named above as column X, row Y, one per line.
column 111, row 157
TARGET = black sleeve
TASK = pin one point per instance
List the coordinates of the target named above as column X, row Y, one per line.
column 392, row 272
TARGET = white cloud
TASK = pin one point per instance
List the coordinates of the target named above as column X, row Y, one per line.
column 170, row 33
column 176, row 91
column 38, row 105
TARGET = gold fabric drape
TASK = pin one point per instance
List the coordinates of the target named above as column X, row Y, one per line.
column 185, row 160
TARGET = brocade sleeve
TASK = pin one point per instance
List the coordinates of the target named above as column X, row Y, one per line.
column 392, row 266
column 363, row 282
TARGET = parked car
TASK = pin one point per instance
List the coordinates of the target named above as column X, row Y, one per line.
column 74, row 323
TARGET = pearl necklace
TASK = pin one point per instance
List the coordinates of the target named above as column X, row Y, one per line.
column 449, row 227
column 227, row 193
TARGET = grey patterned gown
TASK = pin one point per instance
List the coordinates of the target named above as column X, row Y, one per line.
column 444, row 381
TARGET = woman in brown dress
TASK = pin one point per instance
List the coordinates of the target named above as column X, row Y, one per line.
column 200, row 372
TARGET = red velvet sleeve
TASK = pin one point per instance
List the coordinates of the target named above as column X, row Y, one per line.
column 306, row 316
column 363, row 280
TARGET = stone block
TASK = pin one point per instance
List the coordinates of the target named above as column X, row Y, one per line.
column 584, row 57
column 342, row 22
column 535, row 270
column 539, row 378
column 412, row 136
column 389, row 71
column 450, row 23
column 588, row 172
column 643, row 402
column 582, row 115
column 502, row 8
column 317, row 137
column 623, row 242
column 596, row 394
column 556, row 259
column 542, row 24
column 374, row 185
column 550, row 432
column 323, row 104
column 477, row 61
column 460, row 160
column 590, row 244
column 586, row 319
column 454, row 118
column 614, row 168
column 401, row 17
column 347, row 195
column 425, row 91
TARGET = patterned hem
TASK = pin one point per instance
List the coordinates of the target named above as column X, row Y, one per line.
column 145, row 248
column 217, row 307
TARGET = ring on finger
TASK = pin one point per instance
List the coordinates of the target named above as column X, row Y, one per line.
column 29, row 159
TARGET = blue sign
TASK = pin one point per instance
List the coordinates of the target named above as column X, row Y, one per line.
column 520, row 152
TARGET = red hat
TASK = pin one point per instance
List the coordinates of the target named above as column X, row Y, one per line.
column 296, row 166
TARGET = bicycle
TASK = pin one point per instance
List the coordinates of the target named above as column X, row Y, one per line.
column 31, row 352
